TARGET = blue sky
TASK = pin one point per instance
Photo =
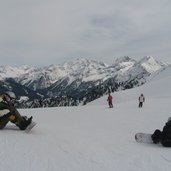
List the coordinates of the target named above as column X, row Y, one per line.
column 44, row 32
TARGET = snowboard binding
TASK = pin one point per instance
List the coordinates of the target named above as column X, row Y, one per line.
column 25, row 123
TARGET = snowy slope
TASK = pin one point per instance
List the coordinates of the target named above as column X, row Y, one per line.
column 93, row 137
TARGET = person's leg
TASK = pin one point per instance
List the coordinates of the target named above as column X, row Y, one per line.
column 14, row 112
column 6, row 118
column 111, row 105
column 139, row 104
column 3, row 121
column 10, row 117
column 14, row 116
column 156, row 136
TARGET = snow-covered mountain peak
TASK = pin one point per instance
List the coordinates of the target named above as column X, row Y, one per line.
column 82, row 63
column 10, row 71
column 83, row 68
column 123, row 64
column 124, row 59
column 147, row 58
column 150, row 64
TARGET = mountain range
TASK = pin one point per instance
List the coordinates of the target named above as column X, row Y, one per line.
column 79, row 78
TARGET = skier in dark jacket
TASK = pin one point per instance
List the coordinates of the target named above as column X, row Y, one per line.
column 7, row 104
column 164, row 136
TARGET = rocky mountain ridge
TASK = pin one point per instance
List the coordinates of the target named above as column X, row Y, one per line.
column 79, row 79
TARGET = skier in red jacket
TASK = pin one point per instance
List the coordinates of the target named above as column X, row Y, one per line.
column 109, row 99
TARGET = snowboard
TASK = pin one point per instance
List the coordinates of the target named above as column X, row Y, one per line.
column 29, row 127
column 143, row 138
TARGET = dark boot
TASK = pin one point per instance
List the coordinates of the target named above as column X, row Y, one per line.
column 24, row 123
column 156, row 136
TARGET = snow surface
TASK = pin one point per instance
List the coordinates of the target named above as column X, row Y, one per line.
column 93, row 137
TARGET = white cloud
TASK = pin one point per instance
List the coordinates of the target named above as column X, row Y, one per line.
column 51, row 31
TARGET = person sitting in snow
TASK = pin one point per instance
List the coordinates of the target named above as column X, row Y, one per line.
column 109, row 99
column 10, row 113
column 164, row 136
column 141, row 100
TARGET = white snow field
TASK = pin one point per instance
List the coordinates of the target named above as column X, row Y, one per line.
column 93, row 137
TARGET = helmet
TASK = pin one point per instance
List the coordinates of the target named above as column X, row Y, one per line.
column 10, row 94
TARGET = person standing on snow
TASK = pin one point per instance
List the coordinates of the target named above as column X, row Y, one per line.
column 7, row 105
column 141, row 100
column 109, row 99
column 164, row 136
